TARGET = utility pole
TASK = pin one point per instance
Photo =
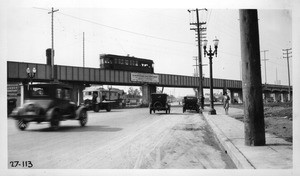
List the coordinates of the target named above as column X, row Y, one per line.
column 265, row 60
column 199, row 36
column 52, row 47
column 83, row 52
column 288, row 65
column 252, row 85
column 196, row 71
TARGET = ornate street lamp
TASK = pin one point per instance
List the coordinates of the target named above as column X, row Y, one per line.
column 210, row 55
column 31, row 74
column 109, row 87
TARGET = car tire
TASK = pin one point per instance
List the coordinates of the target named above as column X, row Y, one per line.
column 22, row 125
column 96, row 108
column 83, row 118
column 54, row 123
column 108, row 108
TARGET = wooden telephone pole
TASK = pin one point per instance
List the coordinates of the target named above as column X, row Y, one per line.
column 52, row 43
column 252, row 86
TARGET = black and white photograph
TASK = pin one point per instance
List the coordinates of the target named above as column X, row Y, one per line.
column 149, row 87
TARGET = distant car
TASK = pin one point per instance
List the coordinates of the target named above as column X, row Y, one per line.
column 49, row 102
column 190, row 103
column 159, row 102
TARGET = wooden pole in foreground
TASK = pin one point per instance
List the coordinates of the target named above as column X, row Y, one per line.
column 252, row 86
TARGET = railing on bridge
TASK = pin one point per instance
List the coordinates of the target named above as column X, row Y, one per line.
column 16, row 72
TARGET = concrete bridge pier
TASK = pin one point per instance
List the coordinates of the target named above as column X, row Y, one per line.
column 77, row 93
column 277, row 96
column 147, row 90
column 266, row 95
column 285, row 96
column 240, row 96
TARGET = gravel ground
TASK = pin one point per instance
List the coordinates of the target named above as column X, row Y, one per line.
column 278, row 119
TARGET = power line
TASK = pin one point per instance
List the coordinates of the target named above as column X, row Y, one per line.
column 119, row 29
column 123, row 30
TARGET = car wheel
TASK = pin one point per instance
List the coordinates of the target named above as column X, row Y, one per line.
column 83, row 118
column 22, row 125
column 54, row 123
column 108, row 108
column 96, row 108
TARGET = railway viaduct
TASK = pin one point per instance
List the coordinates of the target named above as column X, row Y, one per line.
column 80, row 77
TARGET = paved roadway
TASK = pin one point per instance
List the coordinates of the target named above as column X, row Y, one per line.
column 123, row 139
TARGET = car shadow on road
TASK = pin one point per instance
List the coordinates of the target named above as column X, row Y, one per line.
column 182, row 114
column 79, row 129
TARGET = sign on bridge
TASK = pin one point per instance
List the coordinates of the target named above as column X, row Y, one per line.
column 144, row 77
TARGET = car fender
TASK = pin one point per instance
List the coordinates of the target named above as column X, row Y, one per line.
column 50, row 112
column 81, row 108
column 17, row 112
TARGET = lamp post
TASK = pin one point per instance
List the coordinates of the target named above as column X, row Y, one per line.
column 30, row 74
column 210, row 55
column 109, row 87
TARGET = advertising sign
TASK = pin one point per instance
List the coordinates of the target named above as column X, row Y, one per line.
column 144, row 77
column 13, row 90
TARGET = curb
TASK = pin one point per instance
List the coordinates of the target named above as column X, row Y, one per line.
column 237, row 157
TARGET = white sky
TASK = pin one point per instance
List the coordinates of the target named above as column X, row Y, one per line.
column 25, row 34
column 159, row 33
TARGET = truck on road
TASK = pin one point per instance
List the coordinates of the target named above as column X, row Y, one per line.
column 97, row 98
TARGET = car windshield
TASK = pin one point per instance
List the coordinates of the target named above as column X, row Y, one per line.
column 39, row 91
column 162, row 97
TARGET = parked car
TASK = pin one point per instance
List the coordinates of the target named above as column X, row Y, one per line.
column 49, row 102
column 190, row 103
column 159, row 102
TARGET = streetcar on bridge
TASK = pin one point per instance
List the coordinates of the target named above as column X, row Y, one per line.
column 126, row 63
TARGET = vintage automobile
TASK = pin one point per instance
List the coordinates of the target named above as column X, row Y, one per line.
column 159, row 102
column 190, row 103
column 50, row 102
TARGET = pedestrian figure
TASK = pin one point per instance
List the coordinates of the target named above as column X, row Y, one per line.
column 202, row 102
column 226, row 99
column 94, row 100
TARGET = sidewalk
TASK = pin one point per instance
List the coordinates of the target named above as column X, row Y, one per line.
column 276, row 154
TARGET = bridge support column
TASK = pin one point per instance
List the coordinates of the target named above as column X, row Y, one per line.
column 231, row 97
column 277, row 97
column 267, row 95
column 240, row 96
column 285, row 96
column 77, row 93
column 147, row 90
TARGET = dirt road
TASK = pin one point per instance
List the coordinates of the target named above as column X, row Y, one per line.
column 137, row 140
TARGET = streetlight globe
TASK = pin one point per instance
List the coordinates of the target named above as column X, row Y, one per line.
column 216, row 42
column 28, row 70
column 34, row 70
column 204, row 43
